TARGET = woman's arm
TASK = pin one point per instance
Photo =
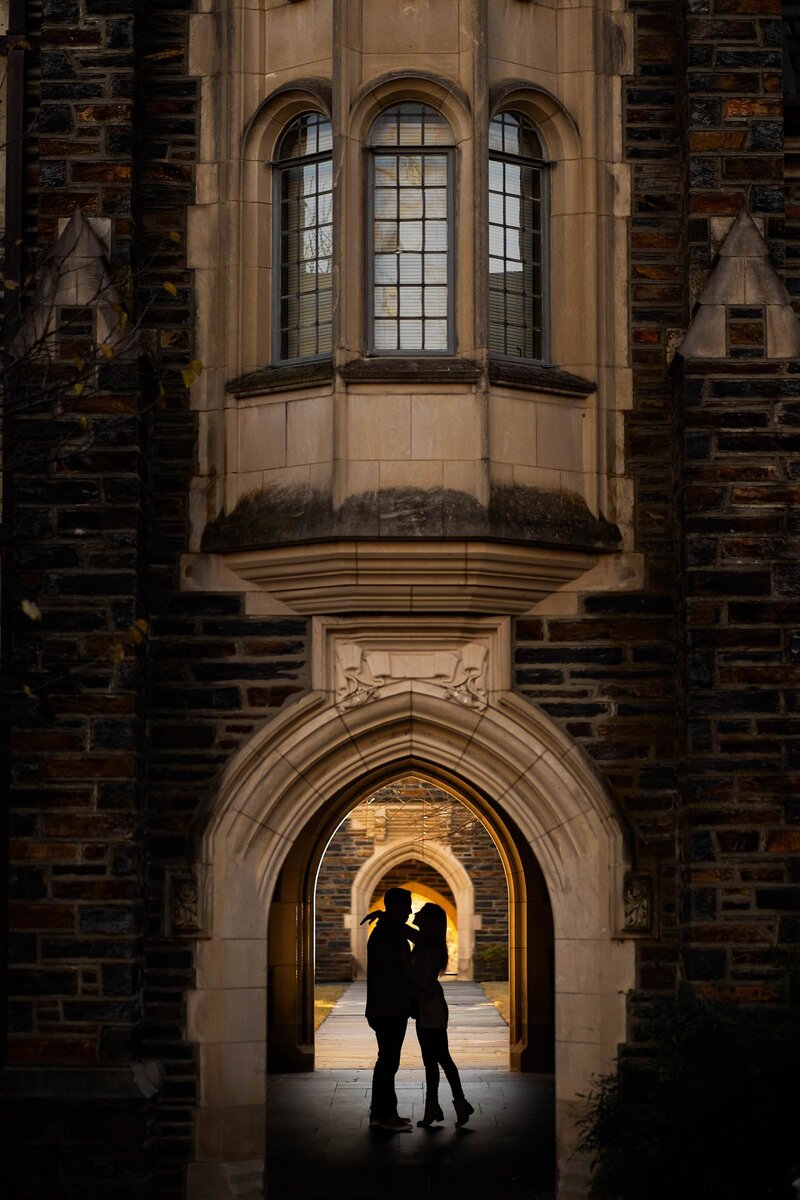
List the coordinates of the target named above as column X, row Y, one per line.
column 411, row 932
column 372, row 916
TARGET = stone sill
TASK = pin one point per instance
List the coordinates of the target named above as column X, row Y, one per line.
column 445, row 369
column 533, row 377
column 285, row 378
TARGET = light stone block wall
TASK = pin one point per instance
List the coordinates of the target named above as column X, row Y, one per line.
column 563, row 65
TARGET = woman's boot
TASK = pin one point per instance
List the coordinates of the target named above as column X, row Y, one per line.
column 464, row 1111
column 432, row 1113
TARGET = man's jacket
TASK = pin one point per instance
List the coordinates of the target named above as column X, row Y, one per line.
column 388, row 982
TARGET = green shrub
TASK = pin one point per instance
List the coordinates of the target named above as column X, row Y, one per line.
column 711, row 1113
column 491, row 961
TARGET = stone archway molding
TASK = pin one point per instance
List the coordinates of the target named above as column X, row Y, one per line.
column 311, row 760
column 436, row 854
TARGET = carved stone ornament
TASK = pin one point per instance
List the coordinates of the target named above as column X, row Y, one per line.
column 638, row 901
column 360, row 673
column 359, row 659
column 185, row 904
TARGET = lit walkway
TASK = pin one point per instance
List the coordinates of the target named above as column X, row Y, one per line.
column 477, row 1033
column 321, row 1146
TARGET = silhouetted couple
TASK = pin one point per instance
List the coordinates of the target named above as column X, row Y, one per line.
column 402, row 983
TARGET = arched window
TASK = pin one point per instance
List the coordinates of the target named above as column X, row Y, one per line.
column 517, row 305
column 303, row 240
column 410, row 231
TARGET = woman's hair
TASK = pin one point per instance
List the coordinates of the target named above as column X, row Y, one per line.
column 435, row 933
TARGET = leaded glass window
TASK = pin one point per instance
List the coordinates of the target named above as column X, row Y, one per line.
column 304, row 237
column 410, row 232
column 516, row 241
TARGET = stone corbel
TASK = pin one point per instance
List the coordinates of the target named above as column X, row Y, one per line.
column 186, row 902
column 638, row 903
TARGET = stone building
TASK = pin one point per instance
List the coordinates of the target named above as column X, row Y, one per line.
column 440, row 419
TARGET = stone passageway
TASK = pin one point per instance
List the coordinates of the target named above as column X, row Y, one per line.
column 321, row 1146
column 477, row 1033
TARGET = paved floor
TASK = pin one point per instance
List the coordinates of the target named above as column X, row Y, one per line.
column 321, row 1146
column 477, row 1033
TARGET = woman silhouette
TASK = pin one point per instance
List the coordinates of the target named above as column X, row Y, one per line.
column 428, row 960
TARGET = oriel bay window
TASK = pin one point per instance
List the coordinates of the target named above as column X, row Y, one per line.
column 517, row 251
column 410, row 232
column 303, row 272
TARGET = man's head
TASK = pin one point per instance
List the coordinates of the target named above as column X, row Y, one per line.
column 397, row 902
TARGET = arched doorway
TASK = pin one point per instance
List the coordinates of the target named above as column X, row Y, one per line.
column 405, row 850
column 412, row 835
column 531, row 978
column 280, row 799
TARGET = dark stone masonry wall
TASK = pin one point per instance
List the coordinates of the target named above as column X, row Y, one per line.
column 740, row 814
column 120, row 738
column 413, row 871
column 76, row 809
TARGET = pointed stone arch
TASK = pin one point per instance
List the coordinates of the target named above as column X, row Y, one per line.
column 441, row 858
column 277, row 805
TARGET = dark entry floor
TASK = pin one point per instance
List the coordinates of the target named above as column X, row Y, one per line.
column 321, row 1146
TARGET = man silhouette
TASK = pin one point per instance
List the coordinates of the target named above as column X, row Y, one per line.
column 389, row 1004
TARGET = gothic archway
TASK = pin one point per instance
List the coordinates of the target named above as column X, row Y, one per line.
column 283, row 795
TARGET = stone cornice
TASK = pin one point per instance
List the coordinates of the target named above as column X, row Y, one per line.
column 409, row 576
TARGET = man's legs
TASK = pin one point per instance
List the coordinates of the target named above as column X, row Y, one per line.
column 389, row 1032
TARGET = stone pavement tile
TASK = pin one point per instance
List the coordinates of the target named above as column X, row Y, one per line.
column 505, row 1153
column 320, row 1119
